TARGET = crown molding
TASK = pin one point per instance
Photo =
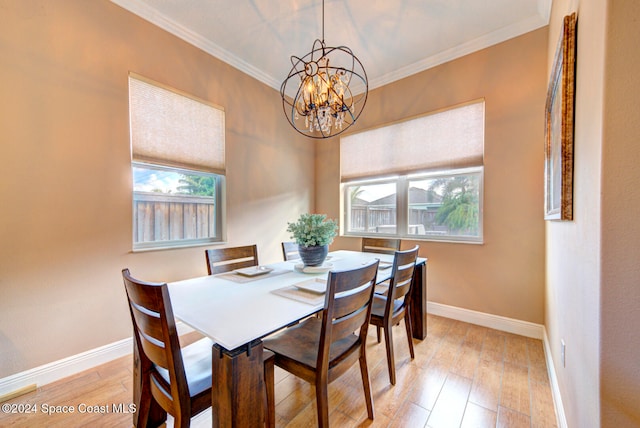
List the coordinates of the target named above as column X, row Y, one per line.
column 142, row 10
column 153, row 16
column 459, row 51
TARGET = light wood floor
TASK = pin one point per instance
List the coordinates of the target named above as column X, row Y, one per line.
column 463, row 376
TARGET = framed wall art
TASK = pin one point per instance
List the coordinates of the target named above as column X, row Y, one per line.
column 559, row 116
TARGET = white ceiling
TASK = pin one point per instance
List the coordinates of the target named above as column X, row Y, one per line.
column 392, row 38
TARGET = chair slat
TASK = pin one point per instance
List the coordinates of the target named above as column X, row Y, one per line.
column 150, row 325
column 380, row 245
column 162, row 393
column 220, row 260
column 345, row 305
column 290, row 251
column 146, row 297
column 402, row 291
column 347, row 325
column 155, row 352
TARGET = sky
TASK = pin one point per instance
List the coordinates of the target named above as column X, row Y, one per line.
column 148, row 180
column 373, row 192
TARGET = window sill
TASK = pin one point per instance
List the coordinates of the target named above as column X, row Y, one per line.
column 176, row 246
column 479, row 241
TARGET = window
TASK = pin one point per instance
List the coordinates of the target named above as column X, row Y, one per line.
column 174, row 206
column 371, row 207
column 418, row 179
column 442, row 205
column 177, row 166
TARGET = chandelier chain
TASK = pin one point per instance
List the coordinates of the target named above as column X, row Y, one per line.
column 322, row 21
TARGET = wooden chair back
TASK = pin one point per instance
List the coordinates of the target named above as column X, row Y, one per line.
column 157, row 342
column 290, row 251
column 404, row 263
column 319, row 350
column 380, row 245
column 389, row 310
column 347, row 309
column 220, row 260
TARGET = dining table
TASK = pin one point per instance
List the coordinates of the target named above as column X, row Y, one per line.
column 237, row 309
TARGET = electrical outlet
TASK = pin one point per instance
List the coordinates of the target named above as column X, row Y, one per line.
column 563, row 353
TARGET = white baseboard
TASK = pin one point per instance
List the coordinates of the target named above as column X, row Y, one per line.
column 510, row 325
column 555, row 387
column 57, row 370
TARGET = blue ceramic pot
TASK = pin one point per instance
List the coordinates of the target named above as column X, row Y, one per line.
column 313, row 256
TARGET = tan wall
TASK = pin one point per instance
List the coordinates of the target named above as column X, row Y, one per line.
column 573, row 247
column 65, row 180
column 505, row 275
column 592, row 262
column 620, row 287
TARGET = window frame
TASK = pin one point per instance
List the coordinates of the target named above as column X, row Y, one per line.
column 218, row 201
column 402, row 205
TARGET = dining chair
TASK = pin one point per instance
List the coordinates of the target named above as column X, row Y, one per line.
column 178, row 380
column 380, row 245
column 220, row 260
column 319, row 350
column 389, row 309
column 290, row 251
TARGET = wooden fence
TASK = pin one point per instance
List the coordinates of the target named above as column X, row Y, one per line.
column 163, row 217
column 383, row 219
column 368, row 218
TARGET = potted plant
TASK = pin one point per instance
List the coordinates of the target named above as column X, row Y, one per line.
column 313, row 233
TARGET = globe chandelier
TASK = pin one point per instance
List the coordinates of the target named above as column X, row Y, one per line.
column 325, row 91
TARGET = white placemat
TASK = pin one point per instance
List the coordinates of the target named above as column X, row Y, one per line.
column 293, row 292
column 236, row 277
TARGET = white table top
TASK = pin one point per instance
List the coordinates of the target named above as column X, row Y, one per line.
column 233, row 314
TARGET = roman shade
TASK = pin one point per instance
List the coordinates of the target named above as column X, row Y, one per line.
column 447, row 139
column 171, row 128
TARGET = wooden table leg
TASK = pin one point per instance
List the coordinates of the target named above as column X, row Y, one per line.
column 238, row 397
column 418, row 306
